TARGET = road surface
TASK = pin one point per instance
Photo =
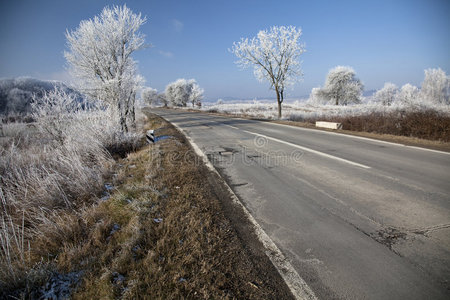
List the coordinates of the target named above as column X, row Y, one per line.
column 357, row 218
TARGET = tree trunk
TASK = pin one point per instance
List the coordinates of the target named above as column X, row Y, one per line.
column 132, row 110
column 279, row 101
column 122, row 117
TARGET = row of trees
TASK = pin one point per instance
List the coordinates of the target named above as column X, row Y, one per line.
column 435, row 89
column 275, row 54
column 342, row 87
column 178, row 93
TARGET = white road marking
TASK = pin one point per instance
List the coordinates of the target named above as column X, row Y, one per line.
column 360, row 138
column 303, row 148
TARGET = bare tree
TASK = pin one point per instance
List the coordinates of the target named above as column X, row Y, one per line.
column 99, row 55
column 275, row 56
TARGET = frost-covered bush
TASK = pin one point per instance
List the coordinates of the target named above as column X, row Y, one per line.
column 386, row 95
column 408, row 95
column 317, row 97
column 184, row 91
column 341, row 87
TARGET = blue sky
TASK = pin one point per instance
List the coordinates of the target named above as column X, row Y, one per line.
column 382, row 40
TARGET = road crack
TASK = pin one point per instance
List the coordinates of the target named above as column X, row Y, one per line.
column 389, row 236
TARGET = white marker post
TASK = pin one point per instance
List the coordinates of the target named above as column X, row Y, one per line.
column 150, row 136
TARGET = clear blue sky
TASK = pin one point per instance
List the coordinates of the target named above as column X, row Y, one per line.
column 383, row 40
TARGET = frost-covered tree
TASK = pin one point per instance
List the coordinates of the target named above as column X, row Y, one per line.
column 130, row 89
column 99, row 56
column 175, row 93
column 196, row 95
column 341, row 86
column 183, row 91
column 408, row 94
column 317, row 96
column 436, row 86
column 163, row 99
column 387, row 94
column 149, row 96
column 275, row 57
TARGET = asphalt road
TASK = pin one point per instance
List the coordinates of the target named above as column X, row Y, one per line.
column 357, row 218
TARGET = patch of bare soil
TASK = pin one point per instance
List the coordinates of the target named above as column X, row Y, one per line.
column 169, row 230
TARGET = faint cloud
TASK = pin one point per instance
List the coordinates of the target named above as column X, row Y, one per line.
column 166, row 53
column 177, row 25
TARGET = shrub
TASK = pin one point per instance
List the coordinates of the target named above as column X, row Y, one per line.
column 425, row 123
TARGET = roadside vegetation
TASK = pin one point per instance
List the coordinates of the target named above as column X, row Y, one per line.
column 78, row 223
column 166, row 236
column 51, row 171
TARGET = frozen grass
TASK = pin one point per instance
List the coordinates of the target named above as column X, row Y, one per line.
column 303, row 110
column 49, row 168
column 426, row 121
